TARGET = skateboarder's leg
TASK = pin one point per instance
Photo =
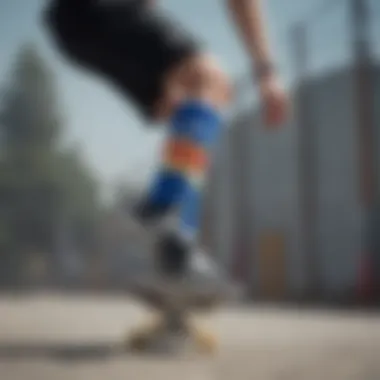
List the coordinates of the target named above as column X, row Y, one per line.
column 169, row 78
column 196, row 125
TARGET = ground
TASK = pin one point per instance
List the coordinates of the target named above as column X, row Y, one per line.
column 48, row 337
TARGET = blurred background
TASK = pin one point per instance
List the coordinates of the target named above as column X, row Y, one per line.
column 292, row 215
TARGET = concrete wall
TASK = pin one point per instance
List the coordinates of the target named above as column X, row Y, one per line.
column 263, row 175
column 339, row 218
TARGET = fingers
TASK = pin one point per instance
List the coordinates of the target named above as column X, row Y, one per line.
column 275, row 113
column 275, row 109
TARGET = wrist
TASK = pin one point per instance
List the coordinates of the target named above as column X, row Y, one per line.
column 264, row 70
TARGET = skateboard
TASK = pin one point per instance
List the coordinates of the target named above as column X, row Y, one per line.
column 172, row 329
column 174, row 304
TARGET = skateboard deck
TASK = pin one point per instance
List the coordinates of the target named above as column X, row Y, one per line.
column 162, row 295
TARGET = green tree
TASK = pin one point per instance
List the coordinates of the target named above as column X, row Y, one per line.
column 41, row 180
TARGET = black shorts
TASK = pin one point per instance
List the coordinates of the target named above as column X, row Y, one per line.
column 126, row 41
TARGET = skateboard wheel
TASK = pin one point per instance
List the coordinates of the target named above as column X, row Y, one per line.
column 140, row 339
column 205, row 341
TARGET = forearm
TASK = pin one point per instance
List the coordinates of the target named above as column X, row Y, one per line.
column 248, row 17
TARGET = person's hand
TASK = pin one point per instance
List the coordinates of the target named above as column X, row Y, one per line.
column 274, row 101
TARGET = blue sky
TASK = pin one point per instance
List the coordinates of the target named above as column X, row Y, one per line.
column 115, row 143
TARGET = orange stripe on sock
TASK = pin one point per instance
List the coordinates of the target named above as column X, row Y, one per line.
column 185, row 155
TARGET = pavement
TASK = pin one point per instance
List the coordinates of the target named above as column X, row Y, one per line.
column 58, row 337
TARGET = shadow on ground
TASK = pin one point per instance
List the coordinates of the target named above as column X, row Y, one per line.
column 78, row 352
column 62, row 351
